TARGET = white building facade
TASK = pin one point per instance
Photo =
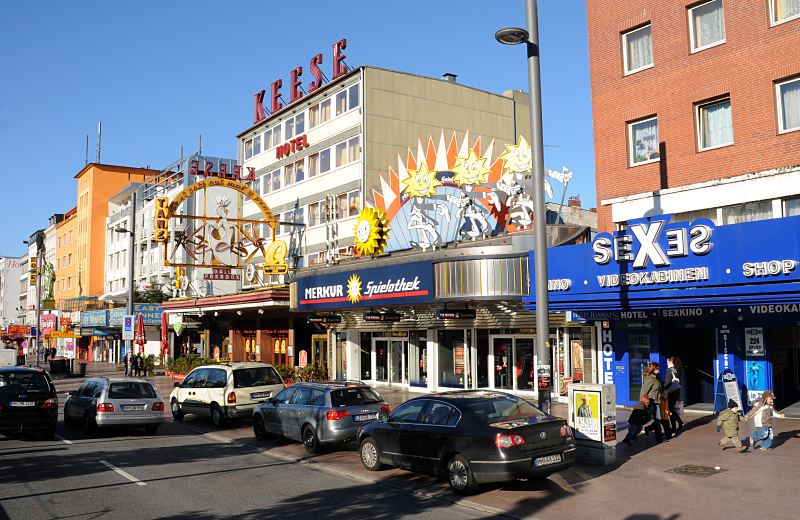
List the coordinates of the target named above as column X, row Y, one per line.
column 10, row 272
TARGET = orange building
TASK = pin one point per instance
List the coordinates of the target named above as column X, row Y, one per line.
column 66, row 285
column 96, row 184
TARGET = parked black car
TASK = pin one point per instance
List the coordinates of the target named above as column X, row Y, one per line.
column 469, row 437
column 318, row 414
column 28, row 401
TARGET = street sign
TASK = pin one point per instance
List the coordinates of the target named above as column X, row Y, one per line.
column 127, row 327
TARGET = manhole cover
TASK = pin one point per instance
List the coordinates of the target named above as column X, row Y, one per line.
column 696, row 471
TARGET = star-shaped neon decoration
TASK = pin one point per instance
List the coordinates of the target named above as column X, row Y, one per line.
column 421, row 182
column 517, row 158
column 470, row 170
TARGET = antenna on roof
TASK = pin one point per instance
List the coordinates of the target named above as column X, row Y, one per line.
column 99, row 136
column 86, row 152
column 200, row 145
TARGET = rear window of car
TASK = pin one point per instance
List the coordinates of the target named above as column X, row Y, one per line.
column 353, row 396
column 131, row 390
column 503, row 408
column 23, row 382
column 260, row 376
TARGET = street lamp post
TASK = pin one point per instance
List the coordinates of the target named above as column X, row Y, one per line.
column 131, row 256
column 515, row 36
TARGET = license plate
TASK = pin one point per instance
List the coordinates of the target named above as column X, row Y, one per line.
column 133, row 407
column 260, row 395
column 22, row 404
column 365, row 417
column 546, row 461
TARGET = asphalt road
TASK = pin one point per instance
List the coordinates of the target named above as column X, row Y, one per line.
column 187, row 471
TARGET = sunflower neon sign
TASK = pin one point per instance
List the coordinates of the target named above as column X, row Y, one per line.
column 372, row 232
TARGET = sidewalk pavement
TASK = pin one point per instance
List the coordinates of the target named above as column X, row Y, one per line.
column 675, row 480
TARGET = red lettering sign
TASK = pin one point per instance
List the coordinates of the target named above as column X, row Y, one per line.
column 293, row 145
column 193, row 167
column 223, row 169
column 339, row 67
column 316, row 72
column 276, row 94
column 260, row 113
column 295, row 84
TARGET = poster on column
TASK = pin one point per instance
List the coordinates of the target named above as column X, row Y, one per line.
column 756, row 378
column 587, row 415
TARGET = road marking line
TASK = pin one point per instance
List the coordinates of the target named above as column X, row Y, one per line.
column 62, row 439
column 122, row 472
column 218, row 438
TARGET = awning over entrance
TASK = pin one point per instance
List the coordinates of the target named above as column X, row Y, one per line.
column 658, row 264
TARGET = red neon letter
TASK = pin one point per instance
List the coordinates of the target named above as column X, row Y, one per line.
column 209, row 167
column 295, row 83
column 316, row 72
column 223, row 169
column 276, row 93
column 237, row 171
column 193, row 167
column 259, row 107
column 251, row 174
column 339, row 68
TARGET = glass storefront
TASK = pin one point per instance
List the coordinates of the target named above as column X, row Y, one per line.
column 418, row 359
column 366, row 356
column 452, row 360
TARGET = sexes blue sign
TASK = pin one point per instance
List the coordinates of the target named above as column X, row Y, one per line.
column 396, row 284
column 646, row 265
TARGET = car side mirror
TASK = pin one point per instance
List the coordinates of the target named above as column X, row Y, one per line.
column 73, row 392
column 177, row 384
column 383, row 417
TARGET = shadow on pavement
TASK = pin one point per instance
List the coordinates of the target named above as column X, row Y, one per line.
column 782, row 437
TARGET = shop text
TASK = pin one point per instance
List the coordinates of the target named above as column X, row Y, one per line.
column 689, row 274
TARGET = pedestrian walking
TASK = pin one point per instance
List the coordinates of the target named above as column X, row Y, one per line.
column 139, row 364
column 664, row 414
column 125, row 362
column 638, row 418
column 728, row 421
column 673, row 387
column 762, row 413
column 652, row 386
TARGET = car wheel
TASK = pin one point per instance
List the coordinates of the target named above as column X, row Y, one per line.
column 310, row 440
column 370, row 456
column 259, row 430
column 151, row 429
column 217, row 418
column 177, row 414
column 459, row 476
column 67, row 419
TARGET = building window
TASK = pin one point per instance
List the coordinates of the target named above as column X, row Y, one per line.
column 706, row 25
column 257, row 145
column 354, row 97
column 354, row 149
column 788, row 93
column 791, row 207
column 296, row 216
column 347, row 204
column 248, row 149
column 313, row 165
column 325, row 160
column 691, row 216
column 293, row 173
column 341, row 154
column 747, row 212
column 276, row 135
column 784, row 10
column 299, row 123
column 290, row 128
column 313, row 116
column 643, row 141
column 271, row 182
column 341, row 102
column 316, row 213
column 267, row 139
column 637, row 49
column 316, row 258
column 714, row 124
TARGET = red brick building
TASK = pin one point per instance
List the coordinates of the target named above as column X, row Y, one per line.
column 696, row 108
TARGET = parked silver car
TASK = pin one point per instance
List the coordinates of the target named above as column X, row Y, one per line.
column 101, row 402
column 318, row 413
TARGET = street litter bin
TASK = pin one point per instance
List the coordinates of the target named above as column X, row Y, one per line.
column 83, row 369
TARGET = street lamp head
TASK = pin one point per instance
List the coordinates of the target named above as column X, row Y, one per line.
column 511, row 36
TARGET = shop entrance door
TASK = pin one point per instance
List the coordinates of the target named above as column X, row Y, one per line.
column 786, row 365
column 512, row 365
column 319, row 350
column 390, row 360
column 696, row 348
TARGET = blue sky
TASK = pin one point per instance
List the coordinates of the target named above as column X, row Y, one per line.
column 159, row 73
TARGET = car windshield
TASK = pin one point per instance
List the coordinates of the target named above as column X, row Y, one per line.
column 354, row 396
column 23, row 382
column 131, row 390
column 502, row 408
column 260, row 376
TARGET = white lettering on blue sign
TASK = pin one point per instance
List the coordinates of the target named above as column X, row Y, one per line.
column 326, row 291
column 771, row 268
column 680, row 242
column 389, row 287
column 688, row 274
column 606, row 337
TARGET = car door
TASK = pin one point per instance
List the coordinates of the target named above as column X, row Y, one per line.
column 214, row 388
column 85, row 397
column 435, row 433
column 295, row 413
column 186, row 391
column 75, row 406
column 272, row 412
column 397, row 442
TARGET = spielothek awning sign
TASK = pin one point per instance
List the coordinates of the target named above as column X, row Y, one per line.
column 399, row 284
